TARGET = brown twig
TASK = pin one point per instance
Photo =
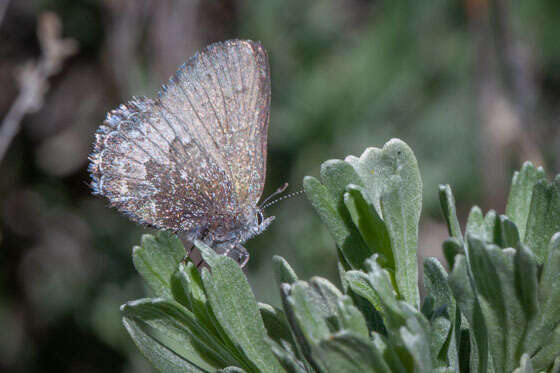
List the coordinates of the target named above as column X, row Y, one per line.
column 3, row 7
column 33, row 77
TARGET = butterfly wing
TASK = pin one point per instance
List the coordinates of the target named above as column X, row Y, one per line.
column 150, row 168
column 196, row 155
column 227, row 89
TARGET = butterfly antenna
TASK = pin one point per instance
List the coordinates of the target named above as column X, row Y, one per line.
column 290, row 195
column 277, row 192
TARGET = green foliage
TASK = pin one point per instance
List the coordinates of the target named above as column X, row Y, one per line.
column 497, row 310
column 371, row 205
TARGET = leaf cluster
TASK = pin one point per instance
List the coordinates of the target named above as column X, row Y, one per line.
column 497, row 310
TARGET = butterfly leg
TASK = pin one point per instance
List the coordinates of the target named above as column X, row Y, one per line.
column 241, row 255
column 244, row 260
column 238, row 253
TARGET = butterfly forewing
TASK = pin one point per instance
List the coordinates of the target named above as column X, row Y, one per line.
column 198, row 152
column 228, row 87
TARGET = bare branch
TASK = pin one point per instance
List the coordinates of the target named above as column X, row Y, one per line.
column 33, row 77
column 3, row 7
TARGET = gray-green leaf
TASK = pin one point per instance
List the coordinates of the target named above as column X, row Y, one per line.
column 161, row 324
column 347, row 352
column 447, row 202
column 521, row 193
column 235, row 308
column 283, row 271
column 392, row 181
column 544, row 217
column 156, row 259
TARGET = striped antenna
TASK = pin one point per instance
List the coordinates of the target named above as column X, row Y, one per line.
column 289, row 195
column 277, row 192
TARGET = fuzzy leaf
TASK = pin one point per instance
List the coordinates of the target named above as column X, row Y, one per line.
column 316, row 311
column 506, row 320
column 451, row 248
column 390, row 355
column 276, row 324
column 549, row 300
column 415, row 336
column 506, row 232
column 351, row 318
column 401, row 212
column 156, row 259
column 336, row 175
column 163, row 326
column 315, row 307
column 526, row 281
column 435, row 281
column 328, row 293
column 180, row 287
column 408, row 330
column 283, row 271
column 366, row 307
column 162, row 358
column 187, row 289
column 289, row 305
column 345, row 234
column 475, row 223
column 235, row 308
column 393, row 185
column 359, row 283
column 380, row 282
column 482, row 226
column 403, row 235
column 307, row 316
column 465, row 295
column 376, row 167
column 347, row 352
column 439, row 335
column 491, row 223
column 286, row 357
column 544, row 217
column 546, row 355
column 449, row 210
column 370, row 225
column 521, row 193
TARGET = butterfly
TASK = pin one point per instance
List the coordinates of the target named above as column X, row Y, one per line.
column 193, row 160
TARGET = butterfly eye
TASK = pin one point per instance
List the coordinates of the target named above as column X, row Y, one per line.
column 260, row 217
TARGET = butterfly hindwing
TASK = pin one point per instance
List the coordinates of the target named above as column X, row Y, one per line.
column 145, row 170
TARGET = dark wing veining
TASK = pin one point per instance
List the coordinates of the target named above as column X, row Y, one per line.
column 196, row 154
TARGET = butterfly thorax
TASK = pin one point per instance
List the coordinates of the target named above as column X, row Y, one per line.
column 225, row 232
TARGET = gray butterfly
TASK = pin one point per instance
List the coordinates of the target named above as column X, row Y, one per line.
column 193, row 160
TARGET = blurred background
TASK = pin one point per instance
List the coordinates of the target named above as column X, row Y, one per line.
column 473, row 86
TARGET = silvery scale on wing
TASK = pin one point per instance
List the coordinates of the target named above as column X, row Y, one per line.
column 193, row 160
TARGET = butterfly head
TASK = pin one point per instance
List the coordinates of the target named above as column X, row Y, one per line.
column 257, row 224
column 239, row 230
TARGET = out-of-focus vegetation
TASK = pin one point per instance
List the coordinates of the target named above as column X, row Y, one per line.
column 473, row 86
